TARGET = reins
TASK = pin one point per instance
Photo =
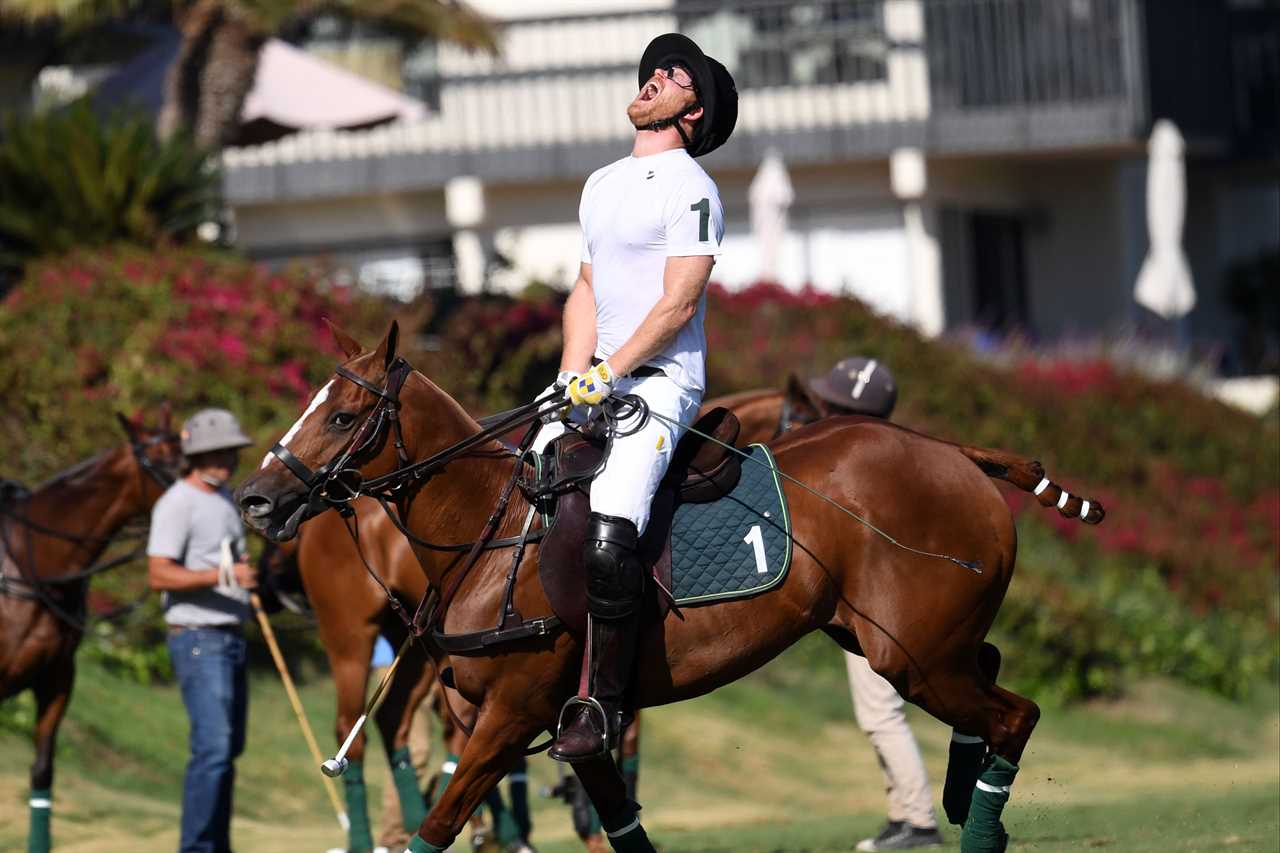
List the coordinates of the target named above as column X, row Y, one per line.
column 29, row 586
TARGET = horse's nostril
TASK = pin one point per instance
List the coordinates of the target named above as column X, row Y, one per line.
column 256, row 506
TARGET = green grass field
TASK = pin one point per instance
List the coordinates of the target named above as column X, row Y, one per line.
column 773, row 763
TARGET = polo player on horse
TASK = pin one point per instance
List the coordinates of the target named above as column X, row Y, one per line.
column 652, row 225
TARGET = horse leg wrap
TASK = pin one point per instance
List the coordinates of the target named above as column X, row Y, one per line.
column 447, row 770
column 518, row 789
column 359, row 835
column 963, row 768
column 630, row 767
column 418, row 845
column 412, row 808
column 983, row 832
column 625, row 833
column 40, row 837
column 503, row 822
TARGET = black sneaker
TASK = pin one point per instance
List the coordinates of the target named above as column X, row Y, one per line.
column 898, row 835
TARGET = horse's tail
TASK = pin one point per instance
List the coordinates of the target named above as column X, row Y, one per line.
column 1028, row 475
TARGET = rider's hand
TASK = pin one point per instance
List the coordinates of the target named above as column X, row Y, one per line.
column 592, row 387
column 563, row 380
column 246, row 575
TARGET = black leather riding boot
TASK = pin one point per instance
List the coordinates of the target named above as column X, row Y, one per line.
column 615, row 586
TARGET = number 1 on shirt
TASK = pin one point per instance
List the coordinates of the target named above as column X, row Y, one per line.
column 704, row 209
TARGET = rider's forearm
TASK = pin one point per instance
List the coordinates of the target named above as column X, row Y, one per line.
column 683, row 283
column 579, row 328
column 656, row 332
column 165, row 575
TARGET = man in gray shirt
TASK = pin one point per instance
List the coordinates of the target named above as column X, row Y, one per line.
column 195, row 558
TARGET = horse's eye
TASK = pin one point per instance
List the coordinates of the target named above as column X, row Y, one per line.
column 342, row 420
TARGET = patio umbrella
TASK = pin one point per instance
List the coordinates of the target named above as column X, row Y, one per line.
column 769, row 197
column 1164, row 283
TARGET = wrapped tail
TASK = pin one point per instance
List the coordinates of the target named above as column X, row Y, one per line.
column 1028, row 475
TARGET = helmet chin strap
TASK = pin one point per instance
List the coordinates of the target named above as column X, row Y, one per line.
column 674, row 121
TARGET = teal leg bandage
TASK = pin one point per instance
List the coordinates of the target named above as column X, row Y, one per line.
column 983, row 832
column 417, row 845
column 518, row 788
column 359, row 836
column 626, row 835
column 40, row 837
column 503, row 822
column 446, row 774
column 963, row 768
column 412, row 808
column 630, row 768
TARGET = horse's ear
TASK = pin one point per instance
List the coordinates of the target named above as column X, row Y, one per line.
column 387, row 349
column 798, row 393
column 130, row 428
column 166, row 417
column 349, row 345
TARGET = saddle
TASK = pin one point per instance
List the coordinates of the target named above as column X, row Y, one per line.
column 701, row 471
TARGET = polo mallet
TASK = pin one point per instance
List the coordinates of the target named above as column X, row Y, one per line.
column 289, row 689
column 337, row 765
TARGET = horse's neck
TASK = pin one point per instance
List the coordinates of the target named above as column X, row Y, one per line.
column 455, row 504
column 86, row 508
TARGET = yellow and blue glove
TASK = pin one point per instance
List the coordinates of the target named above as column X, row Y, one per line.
column 592, row 387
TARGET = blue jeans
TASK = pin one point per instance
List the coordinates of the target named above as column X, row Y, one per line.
column 210, row 666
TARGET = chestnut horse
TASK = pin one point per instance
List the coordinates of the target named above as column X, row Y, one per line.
column 49, row 540
column 350, row 611
column 911, row 607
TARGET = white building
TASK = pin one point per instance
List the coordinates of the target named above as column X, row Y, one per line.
column 954, row 162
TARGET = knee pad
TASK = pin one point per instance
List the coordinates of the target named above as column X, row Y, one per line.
column 615, row 578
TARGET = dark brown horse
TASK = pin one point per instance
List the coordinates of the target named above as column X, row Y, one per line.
column 49, row 540
column 919, row 619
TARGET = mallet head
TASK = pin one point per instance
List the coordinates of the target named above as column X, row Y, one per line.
column 334, row 767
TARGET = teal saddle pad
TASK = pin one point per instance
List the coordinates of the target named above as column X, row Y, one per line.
column 737, row 546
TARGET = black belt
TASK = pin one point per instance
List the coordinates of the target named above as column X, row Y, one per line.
column 229, row 627
column 644, row 371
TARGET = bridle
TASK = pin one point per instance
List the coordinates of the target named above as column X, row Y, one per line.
column 788, row 420
column 339, row 481
column 29, row 586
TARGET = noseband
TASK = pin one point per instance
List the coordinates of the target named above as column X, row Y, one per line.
column 338, row 482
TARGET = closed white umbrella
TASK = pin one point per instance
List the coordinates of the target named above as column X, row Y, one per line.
column 1164, row 283
column 769, row 197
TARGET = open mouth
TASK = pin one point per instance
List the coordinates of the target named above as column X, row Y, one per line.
column 650, row 90
column 282, row 524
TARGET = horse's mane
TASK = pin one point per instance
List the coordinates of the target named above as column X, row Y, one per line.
column 75, row 475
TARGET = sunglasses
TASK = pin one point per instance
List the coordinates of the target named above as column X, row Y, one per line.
column 679, row 74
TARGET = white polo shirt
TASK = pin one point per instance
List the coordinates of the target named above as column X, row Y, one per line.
column 636, row 213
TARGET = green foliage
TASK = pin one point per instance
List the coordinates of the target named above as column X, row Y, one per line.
column 69, row 180
column 117, row 330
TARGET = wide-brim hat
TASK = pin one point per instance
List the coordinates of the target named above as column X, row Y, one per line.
column 716, row 90
column 212, row 429
column 860, row 385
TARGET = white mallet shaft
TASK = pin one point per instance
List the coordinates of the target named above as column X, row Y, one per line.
column 337, row 765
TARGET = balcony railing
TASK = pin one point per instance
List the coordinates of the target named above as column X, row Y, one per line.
column 822, row 80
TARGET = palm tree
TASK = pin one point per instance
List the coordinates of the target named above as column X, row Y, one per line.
column 216, row 63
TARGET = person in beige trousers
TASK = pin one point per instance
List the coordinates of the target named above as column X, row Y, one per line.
column 866, row 387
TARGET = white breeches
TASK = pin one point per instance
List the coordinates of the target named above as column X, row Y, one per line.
column 637, row 462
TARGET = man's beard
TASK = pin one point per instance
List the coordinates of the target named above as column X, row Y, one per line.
column 667, row 105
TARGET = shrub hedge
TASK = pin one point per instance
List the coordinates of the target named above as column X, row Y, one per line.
column 1181, row 578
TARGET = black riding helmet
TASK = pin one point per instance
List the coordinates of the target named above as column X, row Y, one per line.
column 716, row 91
